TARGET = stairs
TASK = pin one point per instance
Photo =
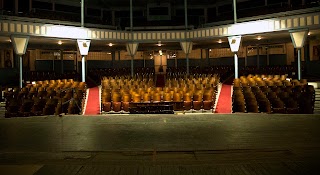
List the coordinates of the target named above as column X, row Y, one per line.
column 317, row 101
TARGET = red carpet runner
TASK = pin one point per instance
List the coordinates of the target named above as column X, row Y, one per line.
column 93, row 102
column 224, row 101
column 160, row 80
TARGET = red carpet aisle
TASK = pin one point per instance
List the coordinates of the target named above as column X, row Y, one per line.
column 224, row 101
column 160, row 80
column 92, row 106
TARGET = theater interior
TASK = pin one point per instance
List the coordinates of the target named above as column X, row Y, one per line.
column 158, row 58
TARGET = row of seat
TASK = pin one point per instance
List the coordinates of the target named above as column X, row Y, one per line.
column 47, row 97
column 118, row 93
column 272, row 94
column 49, row 75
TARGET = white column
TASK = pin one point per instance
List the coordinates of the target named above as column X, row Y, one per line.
column 235, row 11
column 83, row 68
column 236, row 65
column 82, row 13
column 299, row 63
column 20, row 73
column 20, row 46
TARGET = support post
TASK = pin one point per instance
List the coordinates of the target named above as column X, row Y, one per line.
column 205, row 12
column 299, row 64
column 268, row 61
column 176, row 62
column 258, row 56
column 187, row 57
column 131, row 29
column 1, row 4
column 235, row 11
column 61, row 58
column 20, row 67
column 53, row 63
column 113, row 17
column 298, row 38
column 186, row 28
column 82, row 13
column 16, row 7
column 236, row 65
column 53, row 5
column 83, row 46
column 246, row 58
column 132, row 72
column 83, row 70
column 20, row 46
column 30, row 5
column 207, row 57
column 234, row 42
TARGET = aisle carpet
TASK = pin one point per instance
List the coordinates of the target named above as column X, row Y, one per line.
column 93, row 102
column 224, row 101
column 160, row 80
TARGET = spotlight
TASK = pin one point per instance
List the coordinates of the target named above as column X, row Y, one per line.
column 309, row 33
column 110, row 44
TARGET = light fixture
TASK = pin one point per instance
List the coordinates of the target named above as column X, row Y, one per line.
column 159, row 44
column 10, row 40
column 160, row 52
column 108, row 53
column 309, row 33
column 209, row 50
column 110, row 44
column 219, row 41
column 259, row 38
column 60, row 42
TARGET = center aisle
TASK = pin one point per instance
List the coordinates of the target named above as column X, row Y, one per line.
column 92, row 106
column 224, row 101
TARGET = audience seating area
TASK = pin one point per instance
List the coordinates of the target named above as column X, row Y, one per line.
column 272, row 94
column 194, row 92
column 49, row 97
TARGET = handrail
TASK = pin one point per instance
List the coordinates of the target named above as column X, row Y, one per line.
column 56, row 22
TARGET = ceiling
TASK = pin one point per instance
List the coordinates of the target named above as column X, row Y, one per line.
column 123, row 3
column 100, row 45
